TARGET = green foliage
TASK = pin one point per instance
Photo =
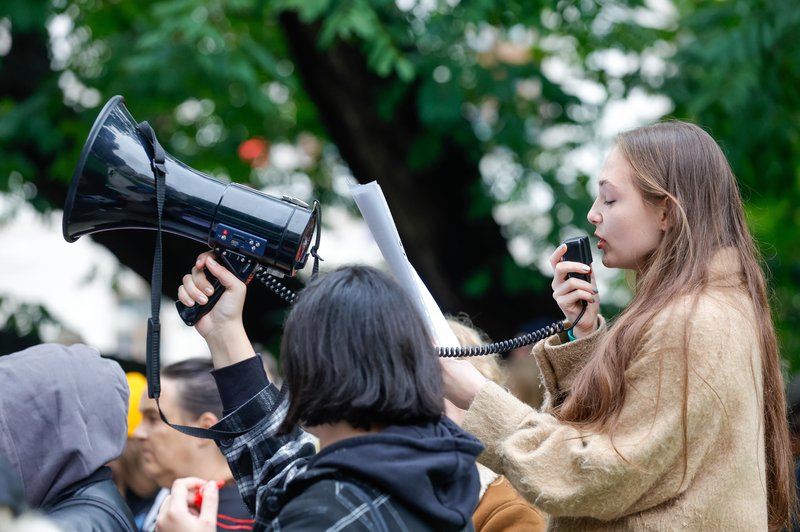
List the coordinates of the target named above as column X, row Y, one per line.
column 230, row 60
column 737, row 73
column 361, row 21
column 481, row 74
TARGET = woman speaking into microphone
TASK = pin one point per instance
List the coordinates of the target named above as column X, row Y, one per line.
column 673, row 417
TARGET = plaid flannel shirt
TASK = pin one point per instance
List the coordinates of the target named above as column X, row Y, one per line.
column 262, row 463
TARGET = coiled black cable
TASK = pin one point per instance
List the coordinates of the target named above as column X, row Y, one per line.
column 279, row 289
column 275, row 286
column 508, row 345
column 505, row 345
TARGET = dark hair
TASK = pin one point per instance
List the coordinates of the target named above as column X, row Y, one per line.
column 355, row 349
column 197, row 390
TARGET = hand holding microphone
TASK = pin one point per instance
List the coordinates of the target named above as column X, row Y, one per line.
column 574, row 288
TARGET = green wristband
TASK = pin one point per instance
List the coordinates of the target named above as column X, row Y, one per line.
column 570, row 335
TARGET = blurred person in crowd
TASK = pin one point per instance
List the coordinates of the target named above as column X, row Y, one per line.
column 188, row 397
column 362, row 375
column 63, row 414
column 128, row 472
column 501, row 508
column 524, row 379
column 674, row 416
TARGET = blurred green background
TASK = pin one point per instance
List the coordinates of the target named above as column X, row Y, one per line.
column 483, row 121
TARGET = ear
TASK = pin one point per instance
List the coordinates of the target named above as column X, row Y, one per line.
column 665, row 212
column 206, row 420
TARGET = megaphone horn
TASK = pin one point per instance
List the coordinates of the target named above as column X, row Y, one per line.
column 114, row 188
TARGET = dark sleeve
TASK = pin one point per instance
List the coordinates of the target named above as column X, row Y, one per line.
column 261, row 462
column 239, row 382
column 232, row 513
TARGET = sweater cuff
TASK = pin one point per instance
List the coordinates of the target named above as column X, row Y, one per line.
column 560, row 360
column 240, row 382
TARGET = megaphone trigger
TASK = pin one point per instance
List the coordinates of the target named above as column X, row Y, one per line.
column 243, row 267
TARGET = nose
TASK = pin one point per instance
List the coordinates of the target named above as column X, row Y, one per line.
column 594, row 214
column 139, row 432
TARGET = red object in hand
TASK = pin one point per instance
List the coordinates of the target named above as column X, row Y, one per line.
column 198, row 497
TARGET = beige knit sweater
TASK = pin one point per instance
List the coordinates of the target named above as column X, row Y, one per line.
column 584, row 484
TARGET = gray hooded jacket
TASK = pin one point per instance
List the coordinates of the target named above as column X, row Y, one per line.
column 63, row 416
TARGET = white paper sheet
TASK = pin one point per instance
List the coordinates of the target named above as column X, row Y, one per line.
column 371, row 202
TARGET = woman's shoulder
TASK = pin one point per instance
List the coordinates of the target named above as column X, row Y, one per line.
column 704, row 309
column 706, row 324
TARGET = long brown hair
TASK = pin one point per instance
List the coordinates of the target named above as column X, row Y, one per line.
column 679, row 165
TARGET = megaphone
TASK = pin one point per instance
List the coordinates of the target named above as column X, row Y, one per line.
column 115, row 187
column 125, row 180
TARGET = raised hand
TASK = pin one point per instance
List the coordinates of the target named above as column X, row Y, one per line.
column 222, row 327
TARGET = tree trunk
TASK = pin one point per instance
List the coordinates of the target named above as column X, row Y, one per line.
column 431, row 206
column 448, row 245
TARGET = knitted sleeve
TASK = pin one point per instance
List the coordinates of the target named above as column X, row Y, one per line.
column 656, row 446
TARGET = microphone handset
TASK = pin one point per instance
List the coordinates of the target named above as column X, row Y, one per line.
column 578, row 250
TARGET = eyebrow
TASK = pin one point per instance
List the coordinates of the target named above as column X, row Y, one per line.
column 606, row 183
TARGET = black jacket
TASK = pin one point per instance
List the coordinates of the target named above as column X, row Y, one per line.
column 93, row 505
column 327, row 499
column 412, row 477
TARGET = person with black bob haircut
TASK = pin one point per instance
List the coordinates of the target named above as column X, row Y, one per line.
column 362, row 376
column 357, row 351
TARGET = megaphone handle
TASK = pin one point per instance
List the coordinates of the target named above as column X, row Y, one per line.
column 191, row 315
column 241, row 266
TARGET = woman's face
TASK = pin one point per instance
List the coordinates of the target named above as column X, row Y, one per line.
column 629, row 229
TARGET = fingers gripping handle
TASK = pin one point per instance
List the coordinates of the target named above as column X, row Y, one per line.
column 243, row 267
column 191, row 315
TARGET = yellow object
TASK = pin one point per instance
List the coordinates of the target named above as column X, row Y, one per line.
column 137, row 383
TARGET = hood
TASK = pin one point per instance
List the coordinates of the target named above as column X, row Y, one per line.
column 430, row 468
column 10, row 489
column 63, row 415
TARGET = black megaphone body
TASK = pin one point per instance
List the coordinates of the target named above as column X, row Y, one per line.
column 125, row 180
column 114, row 187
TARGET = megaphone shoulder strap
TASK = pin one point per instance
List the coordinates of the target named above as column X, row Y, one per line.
column 315, row 248
column 153, row 323
column 199, row 432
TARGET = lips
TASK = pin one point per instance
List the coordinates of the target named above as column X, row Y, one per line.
column 600, row 242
